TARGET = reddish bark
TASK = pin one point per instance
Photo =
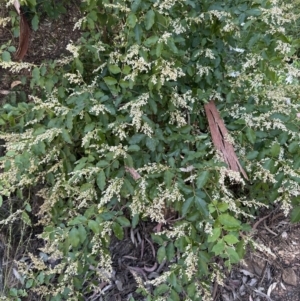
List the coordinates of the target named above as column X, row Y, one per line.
column 24, row 34
column 219, row 133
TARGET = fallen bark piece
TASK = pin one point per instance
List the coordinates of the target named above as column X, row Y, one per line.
column 220, row 138
column 24, row 34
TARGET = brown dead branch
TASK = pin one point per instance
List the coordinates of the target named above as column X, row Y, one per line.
column 219, row 136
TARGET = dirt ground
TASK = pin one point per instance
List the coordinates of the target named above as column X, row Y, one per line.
column 271, row 276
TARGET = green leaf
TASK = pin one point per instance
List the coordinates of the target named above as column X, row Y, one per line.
column 149, row 19
column 126, row 69
column 35, row 22
column 1, row 200
column 118, row 231
column 94, row 226
column 161, row 254
column 230, row 239
column 252, row 155
column 293, row 147
column 233, row 255
column 201, row 205
column 133, row 148
column 101, row 178
column 295, row 214
column 66, row 136
column 110, row 81
column 151, row 143
column 219, row 247
column 215, row 235
column 135, row 5
column 186, row 205
column 168, row 176
column 170, row 251
column 240, row 248
column 25, row 218
column 222, row 207
column 6, row 56
column 151, row 41
column 202, row 179
column 159, row 49
column 82, row 233
column 174, row 296
column 250, row 135
column 161, row 289
column 115, row 69
column 229, row 222
column 135, row 220
column 131, row 20
column 191, row 290
column 123, row 221
column 29, row 283
column 36, row 74
column 275, row 150
column 74, row 237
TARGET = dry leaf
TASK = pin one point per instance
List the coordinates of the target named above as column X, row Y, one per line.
column 135, row 175
column 271, row 288
column 4, row 92
column 17, row 6
column 219, row 137
column 15, row 83
column 187, row 169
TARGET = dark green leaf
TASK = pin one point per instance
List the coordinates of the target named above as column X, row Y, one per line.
column 6, row 56
column 219, row 247
column 35, row 22
column 202, row 179
column 186, row 205
column 161, row 289
column 131, row 20
column 161, row 254
column 118, row 231
column 149, row 19
column 170, row 251
column 110, row 81
column 151, row 41
column 251, row 135
column 114, row 69
column 229, row 222
column 230, row 239
column 94, row 226
column 295, row 214
column 135, row 220
column 101, row 179
column 123, row 221
column 74, row 237
column 215, row 235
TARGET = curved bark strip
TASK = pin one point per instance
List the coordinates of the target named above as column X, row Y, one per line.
column 24, row 34
column 219, row 133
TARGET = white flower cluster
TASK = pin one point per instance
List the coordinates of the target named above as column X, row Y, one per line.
column 4, row 21
column 113, row 188
column 163, row 6
column 73, row 49
column 167, row 71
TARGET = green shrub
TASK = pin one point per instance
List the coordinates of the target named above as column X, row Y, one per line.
column 119, row 127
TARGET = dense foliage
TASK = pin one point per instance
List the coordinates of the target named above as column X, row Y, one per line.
column 116, row 133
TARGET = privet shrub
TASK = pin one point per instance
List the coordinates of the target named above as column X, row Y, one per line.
column 119, row 127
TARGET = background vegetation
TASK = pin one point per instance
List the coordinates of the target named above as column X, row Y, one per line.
column 115, row 135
